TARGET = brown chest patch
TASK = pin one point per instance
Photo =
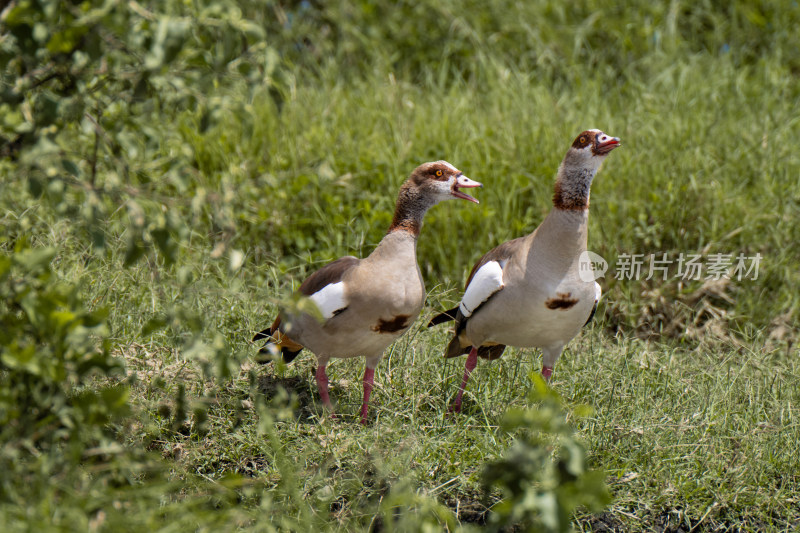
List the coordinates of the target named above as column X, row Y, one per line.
column 569, row 200
column 562, row 300
column 409, row 225
column 398, row 323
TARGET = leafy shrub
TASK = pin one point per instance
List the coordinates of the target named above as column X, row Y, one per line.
column 544, row 476
column 51, row 346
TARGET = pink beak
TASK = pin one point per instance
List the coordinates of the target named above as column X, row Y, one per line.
column 463, row 182
column 608, row 145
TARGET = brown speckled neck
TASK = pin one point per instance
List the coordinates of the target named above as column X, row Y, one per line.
column 571, row 191
column 410, row 210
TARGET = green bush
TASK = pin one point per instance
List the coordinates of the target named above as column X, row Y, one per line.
column 51, row 348
column 544, row 476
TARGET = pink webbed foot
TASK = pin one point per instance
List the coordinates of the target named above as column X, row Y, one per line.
column 547, row 371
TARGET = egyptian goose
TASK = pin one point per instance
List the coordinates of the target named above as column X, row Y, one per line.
column 369, row 303
column 528, row 292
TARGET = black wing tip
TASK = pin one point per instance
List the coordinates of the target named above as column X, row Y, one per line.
column 263, row 334
column 446, row 316
column 491, row 353
column 287, row 354
column 454, row 348
column 267, row 355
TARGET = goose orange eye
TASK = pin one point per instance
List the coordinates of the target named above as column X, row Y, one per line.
column 583, row 140
column 438, row 173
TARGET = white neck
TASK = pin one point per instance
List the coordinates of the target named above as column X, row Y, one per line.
column 398, row 247
column 561, row 238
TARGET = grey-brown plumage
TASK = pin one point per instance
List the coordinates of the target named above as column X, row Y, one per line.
column 331, row 273
column 369, row 303
column 528, row 292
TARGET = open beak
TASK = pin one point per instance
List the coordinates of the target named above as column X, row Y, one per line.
column 607, row 145
column 463, row 182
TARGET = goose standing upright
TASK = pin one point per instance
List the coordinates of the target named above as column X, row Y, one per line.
column 528, row 292
column 369, row 303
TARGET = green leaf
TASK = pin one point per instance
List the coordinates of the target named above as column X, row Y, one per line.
column 62, row 318
column 153, row 325
column 45, row 109
column 165, row 243
column 95, row 318
column 116, row 398
column 35, row 259
column 170, row 37
column 71, row 168
column 22, row 13
column 135, row 249
column 66, row 40
column 21, row 358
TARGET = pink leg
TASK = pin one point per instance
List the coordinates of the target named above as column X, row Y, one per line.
column 322, row 385
column 547, row 371
column 369, row 381
column 472, row 362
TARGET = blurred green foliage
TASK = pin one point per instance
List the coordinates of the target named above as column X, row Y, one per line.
column 541, row 492
column 48, row 348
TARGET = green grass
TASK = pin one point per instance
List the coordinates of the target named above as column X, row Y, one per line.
column 694, row 387
column 711, row 431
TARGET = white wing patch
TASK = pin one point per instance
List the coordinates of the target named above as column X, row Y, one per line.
column 486, row 281
column 597, row 292
column 330, row 299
